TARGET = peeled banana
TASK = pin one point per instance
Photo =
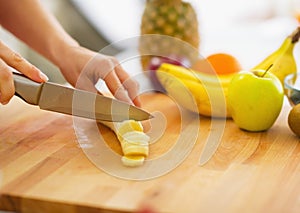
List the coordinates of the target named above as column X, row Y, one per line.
column 202, row 93
column 134, row 142
column 282, row 60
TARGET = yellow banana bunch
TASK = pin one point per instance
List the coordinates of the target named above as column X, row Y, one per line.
column 133, row 140
column 199, row 92
column 282, row 60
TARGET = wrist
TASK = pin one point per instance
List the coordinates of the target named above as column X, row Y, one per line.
column 71, row 60
column 61, row 50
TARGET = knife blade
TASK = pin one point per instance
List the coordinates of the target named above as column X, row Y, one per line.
column 58, row 98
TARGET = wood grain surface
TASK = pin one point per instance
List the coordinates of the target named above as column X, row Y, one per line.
column 43, row 167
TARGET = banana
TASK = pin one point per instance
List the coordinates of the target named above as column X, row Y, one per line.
column 134, row 142
column 282, row 59
column 133, row 161
column 189, row 74
column 202, row 93
column 126, row 127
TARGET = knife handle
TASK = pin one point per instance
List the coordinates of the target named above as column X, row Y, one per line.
column 27, row 89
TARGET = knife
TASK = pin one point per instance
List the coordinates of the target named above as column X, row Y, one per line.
column 58, row 98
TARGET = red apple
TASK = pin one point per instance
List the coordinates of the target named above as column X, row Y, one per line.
column 155, row 63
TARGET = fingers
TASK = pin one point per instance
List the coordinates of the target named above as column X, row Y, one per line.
column 88, row 67
column 84, row 83
column 16, row 61
column 7, row 88
column 122, row 85
column 115, row 86
column 129, row 84
column 8, row 60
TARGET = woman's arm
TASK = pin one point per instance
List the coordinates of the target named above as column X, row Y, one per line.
column 37, row 27
column 33, row 24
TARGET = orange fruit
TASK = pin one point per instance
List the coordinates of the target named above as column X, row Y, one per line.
column 222, row 63
column 298, row 17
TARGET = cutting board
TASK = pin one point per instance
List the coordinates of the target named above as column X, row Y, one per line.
column 48, row 165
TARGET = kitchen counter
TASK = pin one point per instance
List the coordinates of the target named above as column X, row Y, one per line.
column 44, row 166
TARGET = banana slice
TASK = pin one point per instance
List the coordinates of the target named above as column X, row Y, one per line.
column 128, row 126
column 136, row 137
column 135, row 150
column 133, row 161
column 134, row 142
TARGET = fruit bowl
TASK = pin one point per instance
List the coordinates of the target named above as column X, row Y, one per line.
column 292, row 88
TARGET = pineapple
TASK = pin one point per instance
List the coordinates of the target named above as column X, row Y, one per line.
column 175, row 19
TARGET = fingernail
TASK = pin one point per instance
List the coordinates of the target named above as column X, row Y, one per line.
column 4, row 102
column 43, row 76
column 137, row 101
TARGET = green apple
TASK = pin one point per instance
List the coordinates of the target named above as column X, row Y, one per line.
column 255, row 99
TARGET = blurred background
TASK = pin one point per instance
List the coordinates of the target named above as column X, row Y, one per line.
column 249, row 30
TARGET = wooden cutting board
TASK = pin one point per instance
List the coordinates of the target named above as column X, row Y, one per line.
column 44, row 166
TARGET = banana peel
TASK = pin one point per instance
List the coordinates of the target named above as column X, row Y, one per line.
column 199, row 92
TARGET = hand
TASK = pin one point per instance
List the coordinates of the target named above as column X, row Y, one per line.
column 83, row 68
column 10, row 60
